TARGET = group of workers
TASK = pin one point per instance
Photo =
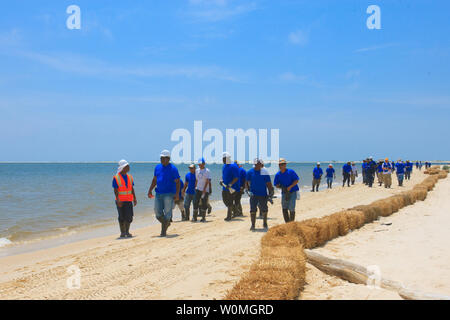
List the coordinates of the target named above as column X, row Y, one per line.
column 170, row 191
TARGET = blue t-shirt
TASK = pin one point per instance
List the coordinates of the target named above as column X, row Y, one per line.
column 317, row 173
column 165, row 178
column 330, row 172
column 409, row 167
column 286, row 179
column 347, row 168
column 114, row 182
column 258, row 182
column 380, row 168
column 364, row 166
column 400, row 167
column 386, row 166
column 242, row 177
column 190, row 180
column 229, row 172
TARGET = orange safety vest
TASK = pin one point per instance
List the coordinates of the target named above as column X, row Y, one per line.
column 125, row 190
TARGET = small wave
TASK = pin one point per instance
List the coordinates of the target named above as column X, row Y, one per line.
column 4, row 242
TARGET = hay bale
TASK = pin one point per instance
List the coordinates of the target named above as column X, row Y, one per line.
column 397, row 203
column 340, row 219
column 442, row 174
column 420, row 193
column 266, row 285
column 275, row 240
column 408, row 198
column 384, row 206
column 371, row 213
column 293, row 261
column 309, row 235
column 356, row 219
column 325, row 229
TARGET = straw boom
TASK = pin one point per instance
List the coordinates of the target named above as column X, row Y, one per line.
column 280, row 272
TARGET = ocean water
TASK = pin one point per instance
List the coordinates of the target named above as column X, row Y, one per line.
column 41, row 201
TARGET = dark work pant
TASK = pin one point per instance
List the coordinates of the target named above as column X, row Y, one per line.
column 346, row 179
column 258, row 202
column 201, row 203
column 125, row 212
column 230, row 200
column 238, row 203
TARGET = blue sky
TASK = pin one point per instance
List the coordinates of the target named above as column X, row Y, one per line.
column 137, row 70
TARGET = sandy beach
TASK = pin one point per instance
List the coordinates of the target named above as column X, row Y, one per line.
column 204, row 261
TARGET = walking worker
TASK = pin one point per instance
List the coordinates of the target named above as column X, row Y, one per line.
column 230, row 183
column 257, row 184
column 364, row 171
column 400, row 170
column 330, row 175
column 408, row 169
column 287, row 180
column 346, row 171
column 202, row 190
column 123, row 186
column 242, row 178
column 166, row 179
column 189, row 191
column 371, row 170
column 387, row 172
column 354, row 173
column 317, row 176
column 380, row 172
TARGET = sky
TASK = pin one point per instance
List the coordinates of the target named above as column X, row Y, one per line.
column 138, row 70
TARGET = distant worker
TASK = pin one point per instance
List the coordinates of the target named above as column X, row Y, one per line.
column 123, row 186
column 387, row 172
column 371, row 171
column 346, row 171
column 189, row 191
column 330, row 174
column 380, row 172
column 420, row 165
column 202, row 190
column 408, row 170
column 260, row 189
column 287, row 180
column 354, row 173
column 166, row 179
column 317, row 176
column 230, row 184
column 400, row 170
column 364, row 171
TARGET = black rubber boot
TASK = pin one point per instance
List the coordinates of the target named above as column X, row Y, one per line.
column 209, row 208
column 253, row 219
column 228, row 218
column 265, row 226
column 286, row 215
column 187, row 214
column 195, row 215
column 203, row 215
column 163, row 228
column 292, row 215
column 122, row 229
column 127, row 230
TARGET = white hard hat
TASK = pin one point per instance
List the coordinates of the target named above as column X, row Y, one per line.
column 122, row 164
column 165, row 154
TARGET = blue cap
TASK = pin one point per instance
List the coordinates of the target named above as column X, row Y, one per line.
column 201, row 160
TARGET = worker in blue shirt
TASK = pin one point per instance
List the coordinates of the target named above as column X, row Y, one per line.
column 260, row 189
column 387, row 173
column 189, row 191
column 400, row 169
column 230, row 183
column 364, row 171
column 287, row 180
column 317, row 176
column 380, row 172
column 346, row 172
column 330, row 174
column 408, row 169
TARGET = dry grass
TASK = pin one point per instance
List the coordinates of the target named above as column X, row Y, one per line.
column 279, row 274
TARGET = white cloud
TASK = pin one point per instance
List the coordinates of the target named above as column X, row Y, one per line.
column 298, row 37
column 382, row 46
column 291, row 77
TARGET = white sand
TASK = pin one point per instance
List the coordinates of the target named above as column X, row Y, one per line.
column 196, row 261
column 413, row 250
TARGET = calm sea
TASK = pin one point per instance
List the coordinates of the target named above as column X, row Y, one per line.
column 53, row 200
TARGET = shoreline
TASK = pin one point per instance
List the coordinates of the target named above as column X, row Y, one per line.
column 207, row 258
